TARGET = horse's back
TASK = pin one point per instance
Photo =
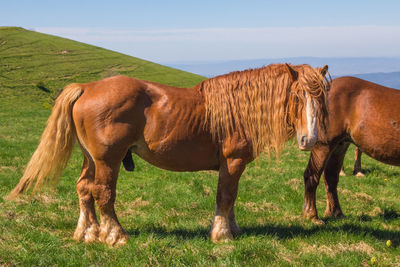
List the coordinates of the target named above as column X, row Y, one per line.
column 356, row 95
column 162, row 124
column 369, row 114
column 113, row 89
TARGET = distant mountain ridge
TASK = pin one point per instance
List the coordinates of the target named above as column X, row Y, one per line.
column 385, row 71
column 390, row 79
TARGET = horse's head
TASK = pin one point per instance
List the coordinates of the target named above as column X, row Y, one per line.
column 307, row 104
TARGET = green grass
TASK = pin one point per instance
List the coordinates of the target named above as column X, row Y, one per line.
column 39, row 64
column 168, row 214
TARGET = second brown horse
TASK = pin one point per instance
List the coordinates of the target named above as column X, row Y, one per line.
column 360, row 112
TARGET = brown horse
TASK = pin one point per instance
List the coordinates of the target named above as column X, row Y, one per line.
column 221, row 124
column 360, row 112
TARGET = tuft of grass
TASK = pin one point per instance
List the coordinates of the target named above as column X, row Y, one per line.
column 167, row 214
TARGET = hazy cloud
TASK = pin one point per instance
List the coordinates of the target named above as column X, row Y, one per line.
column 239, row 43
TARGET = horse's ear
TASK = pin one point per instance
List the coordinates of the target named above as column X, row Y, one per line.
column 324, row 70
column 294, row 74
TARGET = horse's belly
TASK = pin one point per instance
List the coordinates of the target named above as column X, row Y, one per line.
column 179, row 156
column 380, row 139
column 384, row 148
column 388, row 156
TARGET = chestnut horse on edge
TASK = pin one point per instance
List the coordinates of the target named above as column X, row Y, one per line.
column 360, row 112
column 221, row 124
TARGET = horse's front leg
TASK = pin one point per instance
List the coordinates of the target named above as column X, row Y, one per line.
column 312, row 175
column 331, row 178
column 233, row 226
column 224, row 223
column 104, row 192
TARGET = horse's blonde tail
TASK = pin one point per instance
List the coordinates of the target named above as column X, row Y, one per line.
column 55, row 147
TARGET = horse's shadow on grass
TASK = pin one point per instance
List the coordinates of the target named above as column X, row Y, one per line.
column 183, row 234
column 290, row 232
column 378, row 169
column 286, row 232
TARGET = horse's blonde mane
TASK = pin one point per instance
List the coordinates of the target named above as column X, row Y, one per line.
column 261, row 104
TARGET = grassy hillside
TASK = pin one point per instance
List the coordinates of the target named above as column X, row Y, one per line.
column 168, row 214
column 32, row 61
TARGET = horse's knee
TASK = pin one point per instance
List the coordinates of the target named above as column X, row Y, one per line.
column 311, row 180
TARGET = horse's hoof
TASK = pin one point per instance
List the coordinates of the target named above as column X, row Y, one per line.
column 360, row 174
column 313, row 217
column 114, row 237
column 342, row 173
column 220, row 231
column 221, row 236
column 118, row 240
column 87, row 235
column 92, row 234
column 317, row 221
column 309, row 215
column 334, row 214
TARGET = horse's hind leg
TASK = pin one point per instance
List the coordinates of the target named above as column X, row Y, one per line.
column 342, row 172
column 224, row 224
column 104, row 192
column 331, row 178
column 87, row 229
column 357, row 163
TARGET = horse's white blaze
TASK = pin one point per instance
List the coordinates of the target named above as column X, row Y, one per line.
column 311, row 117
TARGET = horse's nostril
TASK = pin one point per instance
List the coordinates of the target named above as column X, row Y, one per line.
column 303, row 140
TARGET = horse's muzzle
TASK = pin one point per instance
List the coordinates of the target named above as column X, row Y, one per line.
column 305, row 142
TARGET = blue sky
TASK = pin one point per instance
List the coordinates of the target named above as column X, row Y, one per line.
column 169, row 31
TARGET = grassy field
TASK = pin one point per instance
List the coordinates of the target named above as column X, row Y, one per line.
column 168, row 214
